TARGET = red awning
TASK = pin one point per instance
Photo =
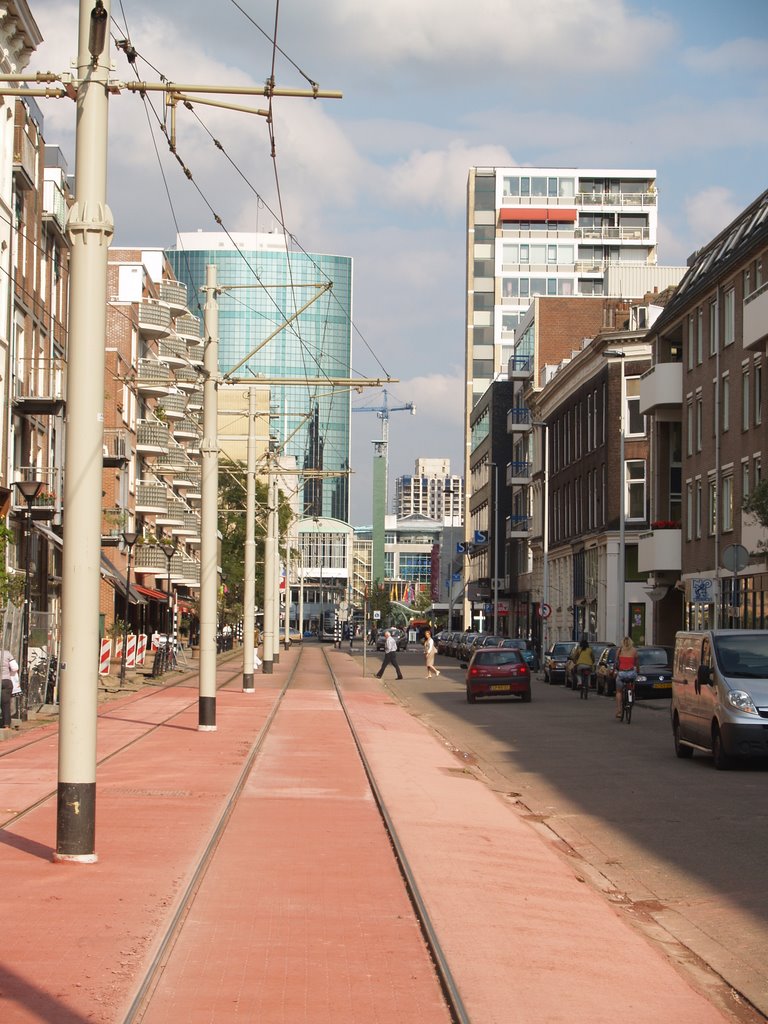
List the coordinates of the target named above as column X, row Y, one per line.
column 554, row 213
column 153, row 595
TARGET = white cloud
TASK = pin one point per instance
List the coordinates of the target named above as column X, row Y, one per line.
column 438, row 177
column 733, row 55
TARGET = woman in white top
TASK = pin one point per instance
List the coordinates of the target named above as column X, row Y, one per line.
column 429, row 653
column 8, row 669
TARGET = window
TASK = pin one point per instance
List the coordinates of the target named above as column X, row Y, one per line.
column 745, row 399
column 635, row 489
column 698, row 508
column 689, row 429
column 745, row 480
column 726, row 401
column 689, row 511
column 635, row 419
column 713, row 327
column 700, row 338
column 712, row 505
column 726, row 510
column 699, row 422
column 690, row 343
column 729, row 316
column 758, row 394
column 758, row 467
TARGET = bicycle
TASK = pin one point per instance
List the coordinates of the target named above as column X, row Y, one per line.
column 584, row 674
column 627, row 700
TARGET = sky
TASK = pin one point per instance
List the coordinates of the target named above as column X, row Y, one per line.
column 430, row 89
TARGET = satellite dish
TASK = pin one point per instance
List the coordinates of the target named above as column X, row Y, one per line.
column 735, row 557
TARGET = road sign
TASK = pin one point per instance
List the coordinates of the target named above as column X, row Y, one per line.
column 481, row 536
column 376, row 614
column 545, row 610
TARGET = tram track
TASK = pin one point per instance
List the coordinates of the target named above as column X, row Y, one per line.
column 142, row 1001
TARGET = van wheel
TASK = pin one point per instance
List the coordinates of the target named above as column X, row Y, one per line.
column 680, row 748
column 721, row 760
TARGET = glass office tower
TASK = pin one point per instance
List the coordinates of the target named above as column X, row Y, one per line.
column 262, row 286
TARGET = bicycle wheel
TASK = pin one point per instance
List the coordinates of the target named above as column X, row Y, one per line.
column 630, row 701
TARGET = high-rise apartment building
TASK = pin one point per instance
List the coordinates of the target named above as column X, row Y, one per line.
column 432, row 491
column 264, row 285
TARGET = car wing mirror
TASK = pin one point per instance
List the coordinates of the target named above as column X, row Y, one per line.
column 704, row 676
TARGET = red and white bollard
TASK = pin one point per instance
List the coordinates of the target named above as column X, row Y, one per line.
column 105, row 654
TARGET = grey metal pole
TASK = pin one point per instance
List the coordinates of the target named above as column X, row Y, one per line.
column 209, row 492
column 495, row 549
column 90, row 228
column 269, row 578
column 622, row 594
column 274, row 502
column 129, row 539
column 287, row 598
column 249, row 581
column 545, row 545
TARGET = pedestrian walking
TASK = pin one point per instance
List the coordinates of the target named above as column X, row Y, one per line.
column 430, row 650
column 390, row 656
column 626, row 668
column 9, row 670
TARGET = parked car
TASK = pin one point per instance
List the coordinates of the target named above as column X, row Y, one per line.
column 554, row 661
column 489, row 641
column 401, row 638
column 598, row 646
column 498, row 672
column 720, row 694
column 527, row 651
column 467, row 639
column 654, row 674
column 453, row 645
column 606, row 671
column 443, row 640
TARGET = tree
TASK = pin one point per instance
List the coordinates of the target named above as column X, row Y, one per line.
column 379, row 600
column 756, row 505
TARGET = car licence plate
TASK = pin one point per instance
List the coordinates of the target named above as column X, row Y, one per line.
column 500, row 686
column 662, row 686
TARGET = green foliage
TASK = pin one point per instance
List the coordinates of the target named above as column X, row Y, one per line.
column 756, row 505
column 11, row 585
column 423, row 601
column 378, row 600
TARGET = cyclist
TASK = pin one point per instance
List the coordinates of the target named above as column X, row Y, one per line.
column 585, row 662
column 626, row 669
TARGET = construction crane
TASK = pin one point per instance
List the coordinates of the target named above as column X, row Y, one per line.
column 382, row 445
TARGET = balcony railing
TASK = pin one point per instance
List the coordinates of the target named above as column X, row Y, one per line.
column 661, row 387
column 189, row 528
column 186, row 428
column 152, row 437
column 174, row 514
column 188, row 327
column 172, row 407
column 154, row 319
column 520, row 366
column 626, row 234
column 188, row 379
column 585, row 199
column 117, row 449
column 660, row 551
column 518, row 472
column 173, row 294
column 40, row 385
column 172, row 351
column 518, row 526
column 151, row 497
column 755, row 327
column 153, row 378
column 24, row 158
column 48, row 502
column 196, row 354
column 518, row 418
column 54, row 204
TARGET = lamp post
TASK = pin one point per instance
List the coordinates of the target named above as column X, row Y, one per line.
column 169, row 550
column 29, row 490
column 448, row 495
column 621, row 575
column 129, row 539
column 495, row 498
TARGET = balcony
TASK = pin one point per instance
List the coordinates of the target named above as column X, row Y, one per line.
column 153, row 378
column 174, row 295
column 196, row 354
column 152, row 437
column 186, row 429
column 188, row 328
column 520, row 367
column 186, row 571
column 517, row 526
column 48, row 503
column 117, row 449
column 624, row 234
column 172, row 462
column 172, row 351
column 188, row 379
column 54, row 207
column 755, row 328
column 189, row 529
column 660, row 551
column 518, row 473
column 635, row 199
column 518, row 419
column 661, row 390
column 192, row 485
column 174, row 514
column 24, row 159
column 151, row 498
column 149, row 559
column 39, row 386
column 154, row 319
column 172, row 407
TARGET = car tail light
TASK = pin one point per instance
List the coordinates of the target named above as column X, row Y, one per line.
column 473, row 671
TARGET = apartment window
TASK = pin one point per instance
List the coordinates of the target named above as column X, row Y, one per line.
column 689, row 511
column 689, row 428
column 700, row 338
column 711, row 505
column 635, row 488
column 729, row 316
column 589, row 423
column 745, row 399
column 551, row 254
column 745, row 480
column 594, row 418
column 635, row 419
column 602, row 495
column 690, row 343
column 726, row 402
column 758, row 394
column 699, row 422
column 758, row 468
column 698, row 508
column 713, row 327
column 726, row 509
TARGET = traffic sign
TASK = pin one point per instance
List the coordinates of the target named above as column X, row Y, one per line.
column 376, row 614
column 545, row 610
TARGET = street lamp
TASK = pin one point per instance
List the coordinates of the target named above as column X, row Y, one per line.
column 495, row 496
column 29, row 490
column 448, row 495
column 621, row 574
column 169, row 550
column 129, row 539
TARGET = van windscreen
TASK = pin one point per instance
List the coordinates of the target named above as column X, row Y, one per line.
column 743, row 656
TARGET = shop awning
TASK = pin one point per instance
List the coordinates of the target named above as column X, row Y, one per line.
column 554, row 214
column 113, row 575
column 153, row 595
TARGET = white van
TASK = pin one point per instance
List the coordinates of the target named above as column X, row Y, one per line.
column 720, row 694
